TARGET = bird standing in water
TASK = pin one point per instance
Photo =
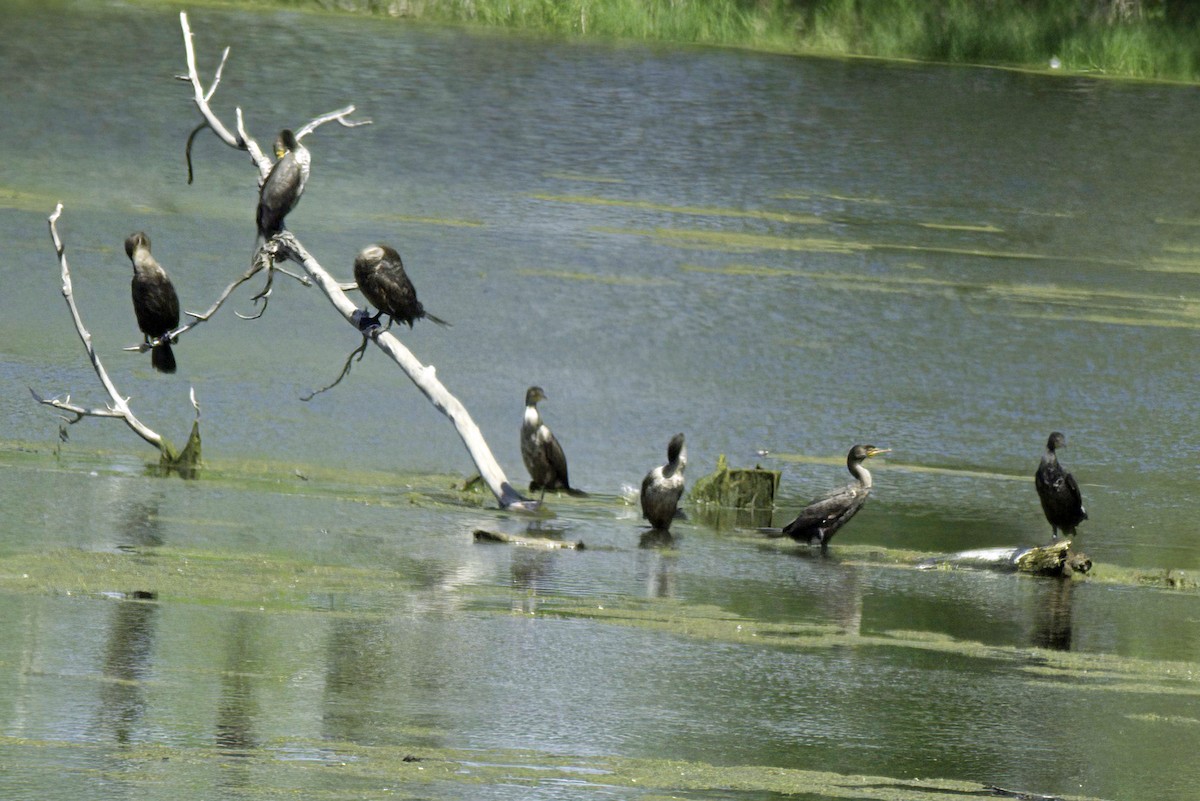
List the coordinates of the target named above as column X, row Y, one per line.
column 154, row 301
column 285, row 183
column 543, row 456
column 1061, row 500
column 663, row 486
column 383, row 282
column 820, row 520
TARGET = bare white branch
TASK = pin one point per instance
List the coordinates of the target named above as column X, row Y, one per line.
column 75, row 409
column 285, row 245
column 242, row 140
column 217, row 77
column 340, row 116
column 424, row 377
column 200, row 317
column 201, row 97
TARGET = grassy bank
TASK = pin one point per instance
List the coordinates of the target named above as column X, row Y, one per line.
column 1086, row 36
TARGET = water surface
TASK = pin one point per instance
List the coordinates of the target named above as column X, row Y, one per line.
column 763, row 252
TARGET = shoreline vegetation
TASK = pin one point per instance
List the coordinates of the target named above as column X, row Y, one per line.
column 1145, row 39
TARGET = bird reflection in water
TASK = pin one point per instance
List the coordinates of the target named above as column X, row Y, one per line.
column 128, row 661
column 830, row 589
column 140, row 526
column 656, row 570
column 531, row 571
column 1052, row 615
column 237, row 709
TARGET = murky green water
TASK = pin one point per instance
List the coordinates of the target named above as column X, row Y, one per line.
column 763, row 252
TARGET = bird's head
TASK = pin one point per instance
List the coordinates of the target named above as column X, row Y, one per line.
column 284, row 142
column 135, row 242
column 533, row 395
column 676, row 450
column 370, row 256
column 1056, row 441
column 860, row 453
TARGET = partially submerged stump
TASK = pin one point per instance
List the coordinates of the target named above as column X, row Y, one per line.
column 483, row 535
column 1056, row 559
column 186, row 463
column 745, row 495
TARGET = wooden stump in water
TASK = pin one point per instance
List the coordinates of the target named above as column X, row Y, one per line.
column 736, row 493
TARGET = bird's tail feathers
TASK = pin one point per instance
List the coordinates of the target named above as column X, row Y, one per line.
column 575, row 493
column 162, row 358
column 435, row 319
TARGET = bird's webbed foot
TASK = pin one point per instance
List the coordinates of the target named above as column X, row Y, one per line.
column 364, row 321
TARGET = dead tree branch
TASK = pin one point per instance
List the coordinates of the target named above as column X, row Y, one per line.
column 119, row 406
column 358, row 352
column 424, row 377
column 286, row 246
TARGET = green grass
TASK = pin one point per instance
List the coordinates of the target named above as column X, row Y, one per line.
column 1012, row 33
column 1008, row 33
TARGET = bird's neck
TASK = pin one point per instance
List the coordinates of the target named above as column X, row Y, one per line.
column 144, row 265
column 862, row 474
column 532, row 418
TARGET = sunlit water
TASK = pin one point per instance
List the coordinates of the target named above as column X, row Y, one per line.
column 762, row 252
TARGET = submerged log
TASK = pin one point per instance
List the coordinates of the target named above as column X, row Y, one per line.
column 1056, row 559
column 483, row 535
column 736, row 496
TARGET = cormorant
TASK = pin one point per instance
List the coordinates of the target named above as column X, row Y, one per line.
column 285, row 183
column 544, row 457
column 1058, row 491
column 663, row 486
column 154, row 300
column 820, row 520
column 383, row 282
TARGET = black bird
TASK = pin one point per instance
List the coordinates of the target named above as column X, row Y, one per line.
column 285, row 183
column 383, row 282
column 1058, row 491
column 154, row 301
column 663, row 486
column 544, row 457
column 820, row 520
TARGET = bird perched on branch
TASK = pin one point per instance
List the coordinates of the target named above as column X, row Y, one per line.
column 155, row 302
column 820, row 520
column 285, row 183
column 663, row 486
column 1060, row 496
column 383, row 282
column 543, row 456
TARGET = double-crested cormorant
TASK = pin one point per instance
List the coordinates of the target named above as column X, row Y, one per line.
column 821, row 519
column 285, row 183
column 383, row 282
column 154, row 300
column 1058, row 491
column 663, row 486
column 544, row 457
